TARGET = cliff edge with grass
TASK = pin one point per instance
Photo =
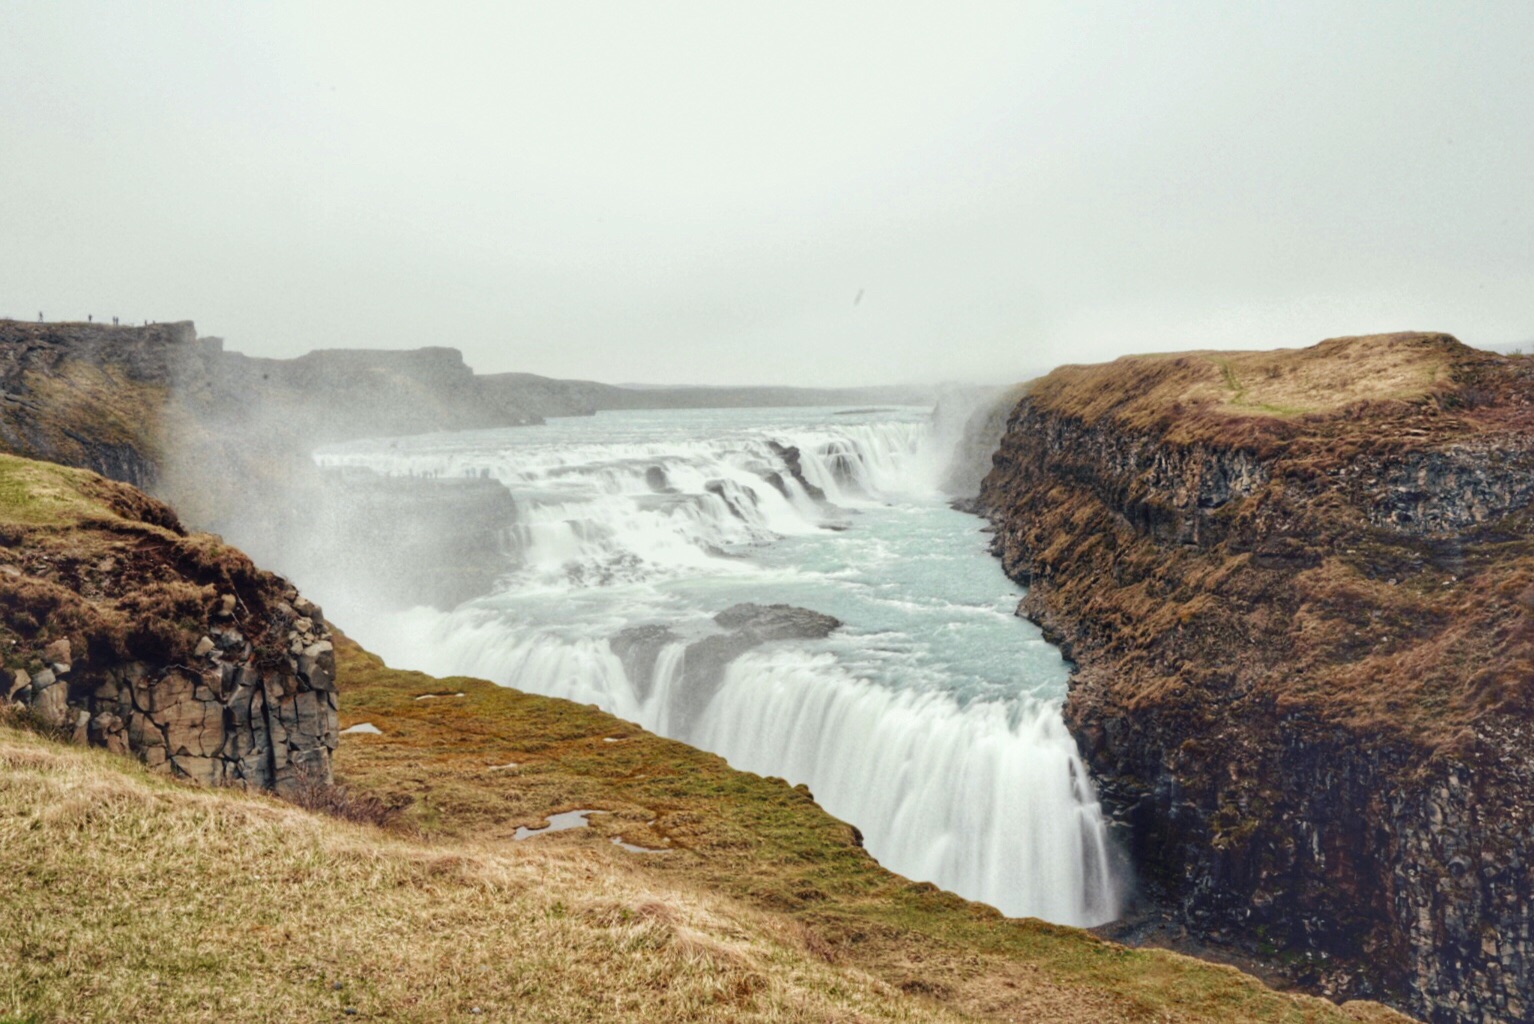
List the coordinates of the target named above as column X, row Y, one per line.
column 1299, row 590
column 120, row 629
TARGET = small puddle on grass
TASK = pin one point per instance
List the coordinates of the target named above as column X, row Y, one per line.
column 557, row 823
column 577, row 819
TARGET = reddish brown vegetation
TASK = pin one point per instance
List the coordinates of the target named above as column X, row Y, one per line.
column 1293, row 589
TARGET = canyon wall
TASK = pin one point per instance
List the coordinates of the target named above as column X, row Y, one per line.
column 1299, row 590
column 128, row 401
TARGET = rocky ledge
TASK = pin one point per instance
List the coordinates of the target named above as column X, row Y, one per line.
column 1299, row 589
column 120, row 629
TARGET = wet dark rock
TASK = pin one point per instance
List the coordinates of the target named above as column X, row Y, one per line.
column 655, row 478
column 706, row 659
column 736, row 498
column 775, row 478
column 638, row 647
column 790, row 457
column 764, row 622
column 749, row 626
column 843, row 462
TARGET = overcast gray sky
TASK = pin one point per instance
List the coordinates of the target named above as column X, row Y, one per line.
column 699, row 192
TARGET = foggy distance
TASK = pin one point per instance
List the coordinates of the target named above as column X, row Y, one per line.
column 796, row 193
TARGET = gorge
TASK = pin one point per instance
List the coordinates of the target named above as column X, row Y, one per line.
column 1290, row 590
column 1298, row 587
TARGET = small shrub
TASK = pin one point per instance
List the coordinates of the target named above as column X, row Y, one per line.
column 345, row 803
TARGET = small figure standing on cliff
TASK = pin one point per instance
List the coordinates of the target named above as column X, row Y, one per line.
column 39, row 316
column 114, row 321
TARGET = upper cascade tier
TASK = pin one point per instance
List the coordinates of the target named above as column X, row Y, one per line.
column 635, row 508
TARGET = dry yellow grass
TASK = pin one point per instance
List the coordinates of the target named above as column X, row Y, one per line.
column 1208, row 390
column 128, row 896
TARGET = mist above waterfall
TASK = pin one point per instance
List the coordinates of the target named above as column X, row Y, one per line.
column 794, row 193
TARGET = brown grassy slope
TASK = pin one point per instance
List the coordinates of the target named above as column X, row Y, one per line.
column 481, row 764
column 1217, row 389
column 126, row 897
column 112, row 571
column 1297, row 590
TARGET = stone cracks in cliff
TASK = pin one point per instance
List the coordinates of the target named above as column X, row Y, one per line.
column 1165, row 491
column 1443, row 492
column 123, row 631
column 222, row 718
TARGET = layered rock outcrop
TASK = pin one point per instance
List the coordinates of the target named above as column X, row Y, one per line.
column 120, row 629
column 1299, row 589
column 91, row 395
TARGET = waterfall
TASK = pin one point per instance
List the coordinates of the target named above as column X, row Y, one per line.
column 991, row 800
column 931, row 720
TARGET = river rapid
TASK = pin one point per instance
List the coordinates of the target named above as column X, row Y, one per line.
column 930, row 719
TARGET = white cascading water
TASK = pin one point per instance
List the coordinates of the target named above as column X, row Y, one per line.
column 930, row 720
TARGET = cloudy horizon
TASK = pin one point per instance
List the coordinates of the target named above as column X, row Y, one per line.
column 810, row 195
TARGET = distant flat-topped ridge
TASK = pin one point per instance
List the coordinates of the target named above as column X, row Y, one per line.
column 1245, row 395
column 43, row 330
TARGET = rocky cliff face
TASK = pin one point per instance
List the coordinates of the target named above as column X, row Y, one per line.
column 120, row 629
column 133, row 402
column 1299, row 588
